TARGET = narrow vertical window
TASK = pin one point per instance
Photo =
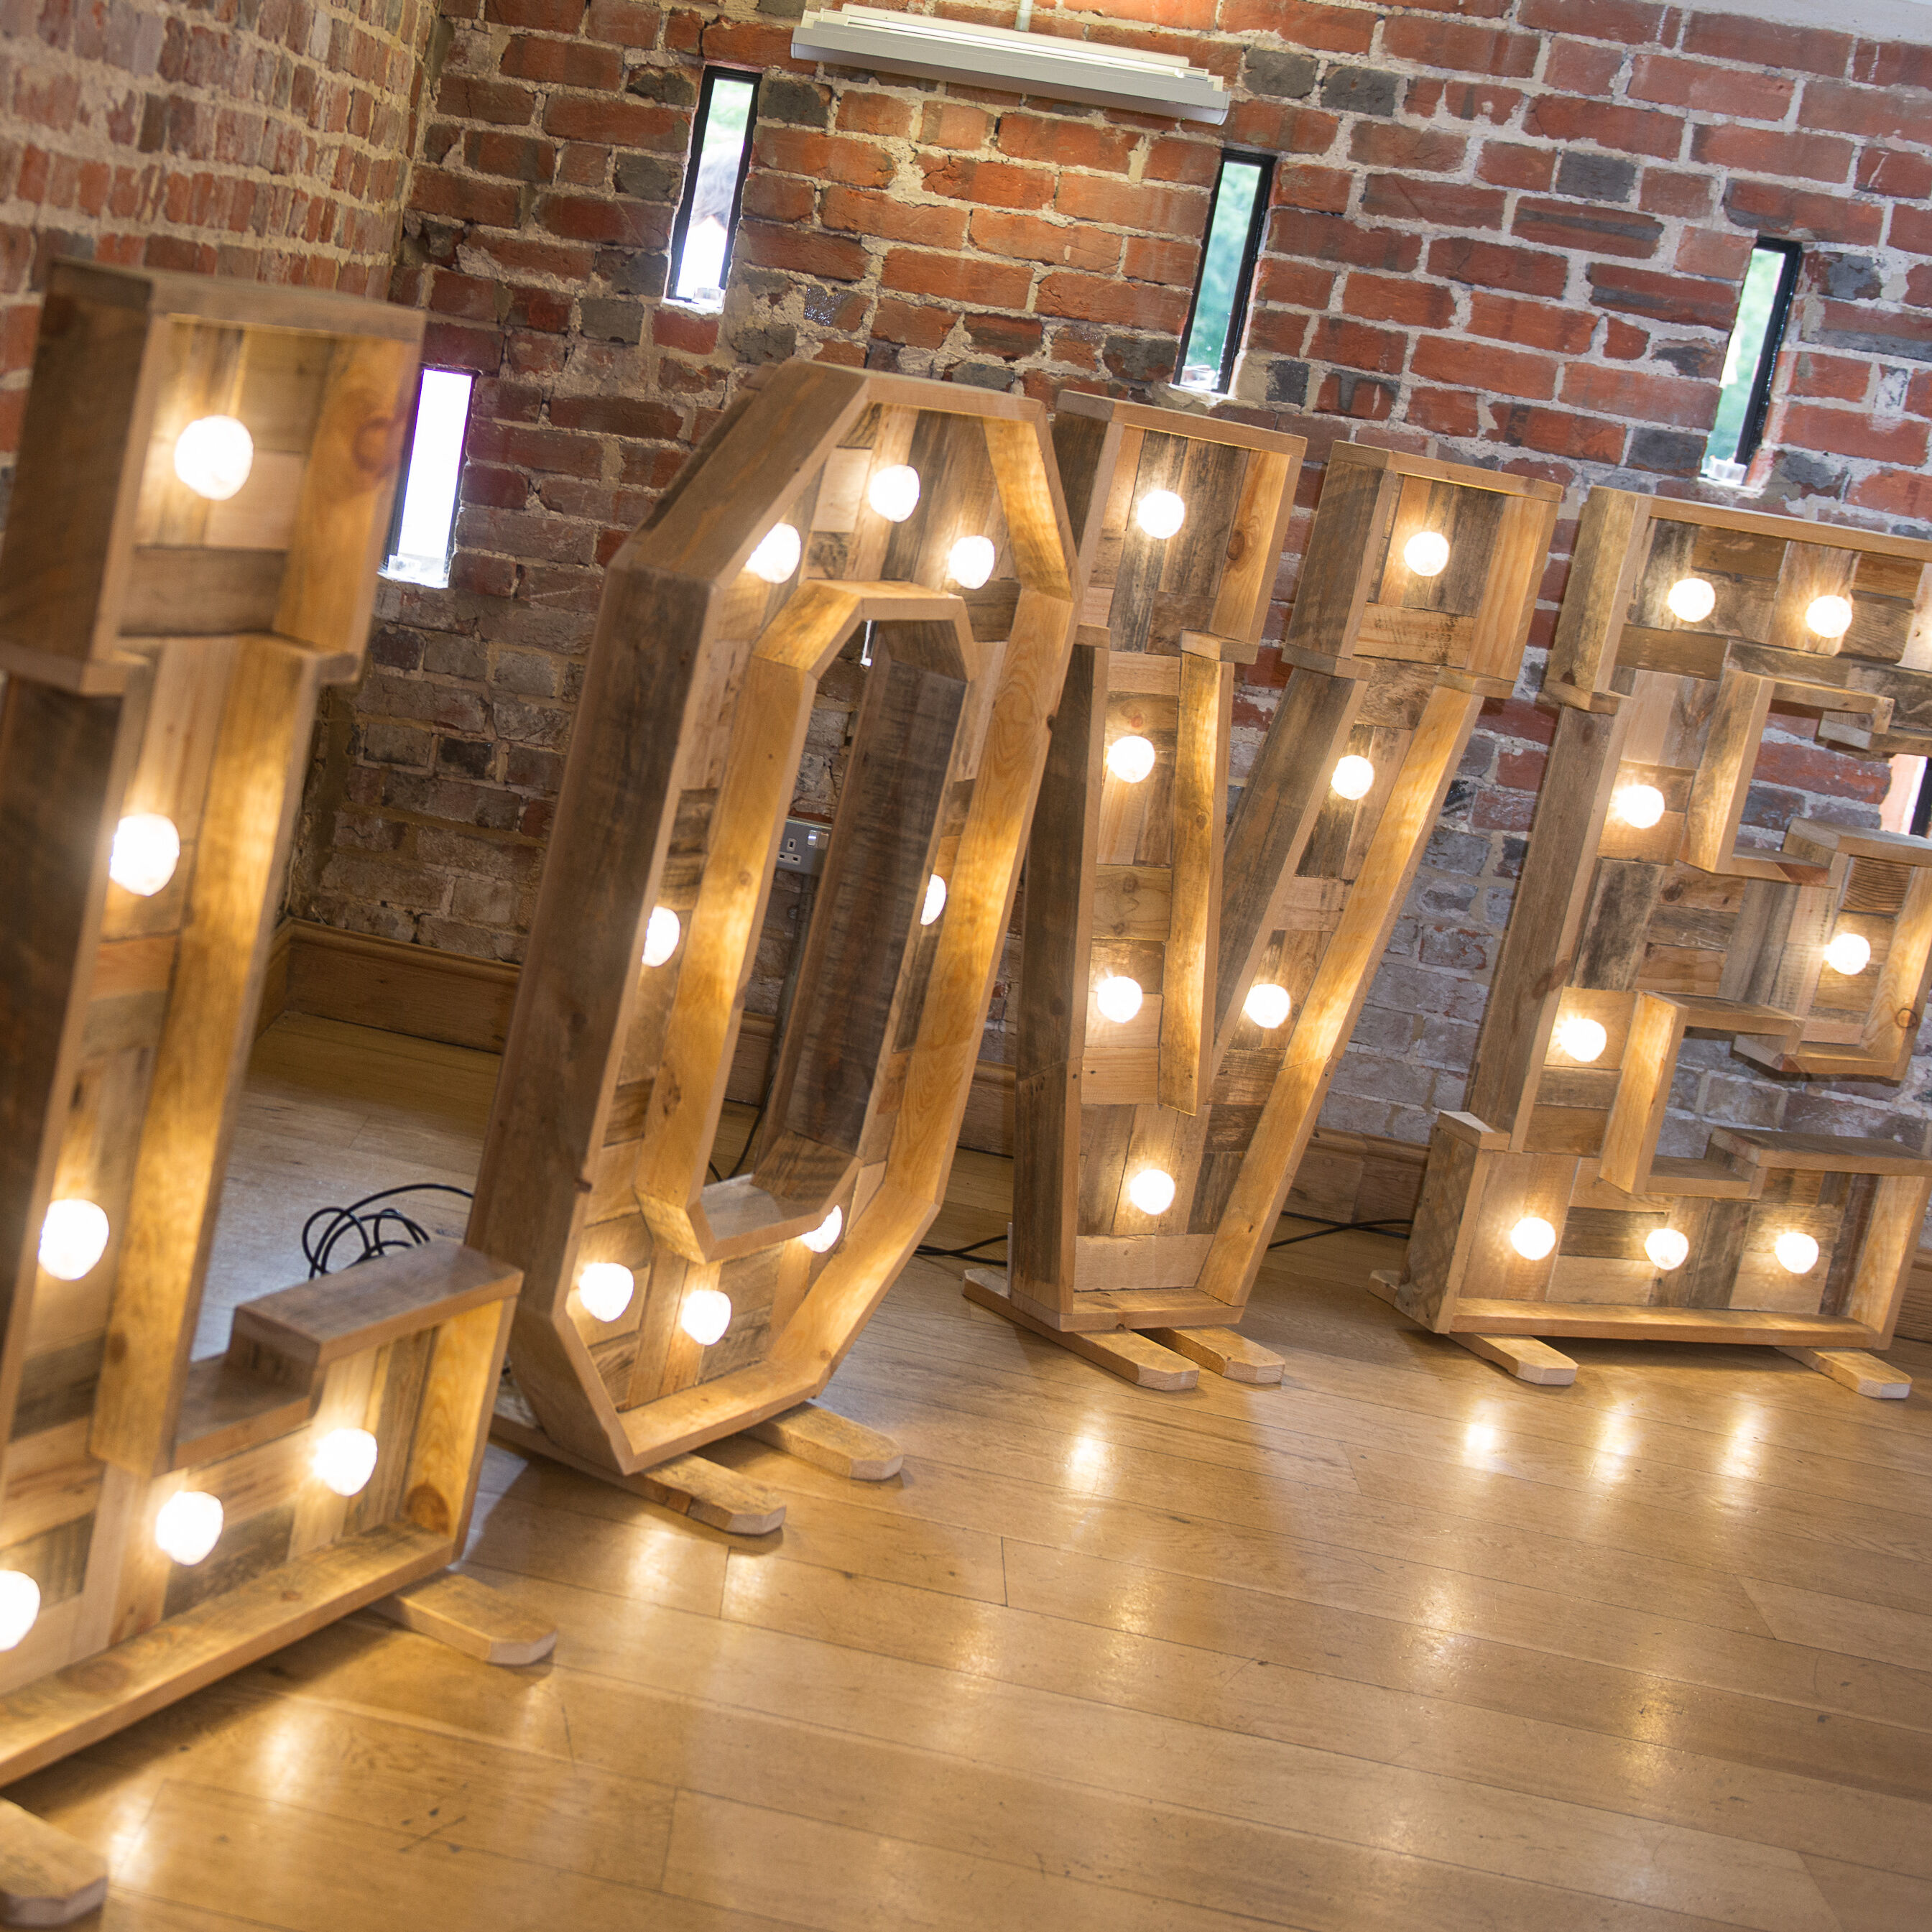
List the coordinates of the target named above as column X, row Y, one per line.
column 707, row 217
column 1752, row 361
column 1220, row 310
column 425, row 525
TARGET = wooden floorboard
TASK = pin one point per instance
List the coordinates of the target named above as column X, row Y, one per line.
column 1400, row 1644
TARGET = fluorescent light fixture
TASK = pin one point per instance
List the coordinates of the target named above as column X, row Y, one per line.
column 1016, row 63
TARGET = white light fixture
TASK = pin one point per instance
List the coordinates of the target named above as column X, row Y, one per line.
column 1151, row 1191
column 826, row 1235
column 1266, row 1005
column 1640, row 805
column 1426, row 553
column 705, row 1315
column 1352, row 777
column 1130, row 759
column 1692, row 599
column 1160, row 513
column 972, row 561
column 189, row 1525
column 19, row 1606
column 661, row 933
column 1666, row 1248
column 1581, row 1039
column 894, row 492
column 146, row 850
column 1829, row 616
column 73, row 1238
column 935, row 900
column 1797, row 1253
column 777, row 555
column 345, row 1459
column 1014, row 62
column 1118, row 998
column 213, row 456
column 1850, row 953
column 1532, row 1238
column 605, row 1288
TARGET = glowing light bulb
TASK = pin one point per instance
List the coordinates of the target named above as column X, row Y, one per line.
column 1581, row 1039
column 73, row 1238
column 935, row 900
column 1352, row 777
column 19, row 1606
column 1850, row 953
column 1427, row 553
column 777, row 555
column 661, row 933
column 894, row 492
column 189, row 1525
column 1130, row 759
column 705, row 1315
column 1160, row 513
column 1829, row 616
column 1266, row 1005
column 1151, row 1191
column 146, row 850
column 1118, row 998
column 826, row 1235
column 605, row 1288
column 213, row 456
column 1666, row 1248
column 1639, row 805
column 1797, row 1254
column 1532, row 1238
column 345, row 1459
column 971, row 561
column 1692, row 599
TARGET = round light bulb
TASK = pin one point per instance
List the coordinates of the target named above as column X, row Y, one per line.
column 1850, row 953
column 1427, row 553
column 1666, row 1248
column 20, row 1606
column 1118, row 998
column 1352, row 777
column 1266, row 1005
column 1581, row 1040
column 777, row 555
column 73, row 1238
column 213, row 456
column 1692, row 599
column 1641, row 805
column 705, row 1315
column 661, row 934
column 1797, row 1253
column 971, row 562
column 146, row 850
column 935, row 900
column 826, row 1235
column 1130, row 759
column 1829, row 616
column 1532, row 1238
column 1160, row 513
column 345, row 1459
column 1151, row 1191
column 605, row 1288
column 894, row 492
column 189, row 1525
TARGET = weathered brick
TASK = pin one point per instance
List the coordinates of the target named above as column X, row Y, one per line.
column 1680, row 299
column 1095, row 298
column 1389, row 145
column 1533, row 325
column 1627, row 130
column 1442, row 204
column 1337, row 340
column 1596, row 231
column 1639, row 395
column 1853, row 432
column 1483, row 365
column 953, row 278
column 890, row 219
column 1460, row 45
column 1587, row 438
column 1509, row 164
column 1632, row 22
column 1419, row 305
column 1768, row 206
column 1328, row 238
column 1880, row 113
column 1494, row 265
column 1066, row 244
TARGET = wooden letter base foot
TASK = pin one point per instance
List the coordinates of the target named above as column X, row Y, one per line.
column 828, row 1442
column 1862, row 1373
column 46, row 1878
column 1526, row 1358
column 470, row 1617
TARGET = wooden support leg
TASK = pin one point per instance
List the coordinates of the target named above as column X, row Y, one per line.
column 470, row 1617
column 1863, row 1374
column 1230, row 1354
column 1124, row 1352
column 1527, row 1359
column 46, row 1878
column 829, row 1442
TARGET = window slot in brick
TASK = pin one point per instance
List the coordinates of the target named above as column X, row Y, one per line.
column 425, row 527
column 1219, row 313
column 1745, row 396
column 714, row 183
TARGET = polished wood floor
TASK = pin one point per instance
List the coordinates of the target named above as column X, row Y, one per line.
column 1399, row 1646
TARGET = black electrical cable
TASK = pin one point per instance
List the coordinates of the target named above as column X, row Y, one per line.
column 1339, row 1228
column 386, row 1231
column 959, row 1254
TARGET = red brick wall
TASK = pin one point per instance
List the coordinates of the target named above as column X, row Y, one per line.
column 1508, row 232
